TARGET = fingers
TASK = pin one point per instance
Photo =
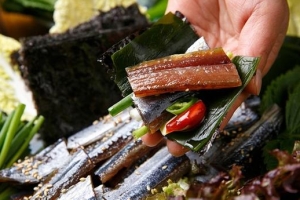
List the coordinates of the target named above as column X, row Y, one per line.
column 152, row 139
column 253, row 88
column 176, row 149
column 240, row 99
column 254, row 85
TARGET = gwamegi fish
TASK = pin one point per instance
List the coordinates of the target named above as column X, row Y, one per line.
column 34, row 169
column 129, row 56
column 241, row 146
column 122, row 159
column 109, row 146
column 152, row 174
column 78, row 166
column 205, row 69
column 83, row 190
column 239, row 149
column 101, row 129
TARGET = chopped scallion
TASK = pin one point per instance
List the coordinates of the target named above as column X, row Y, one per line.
column 140, row 132
column 126, row 102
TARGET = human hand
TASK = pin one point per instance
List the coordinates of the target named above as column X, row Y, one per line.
column 249, row 28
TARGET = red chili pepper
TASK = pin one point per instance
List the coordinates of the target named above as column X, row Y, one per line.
column 187, row 120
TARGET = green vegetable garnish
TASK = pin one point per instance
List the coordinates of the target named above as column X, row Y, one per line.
column 140, row 132
column 121, row 105
column 181, row 105
column 15, row 135
column 11, row 131
column 285, row 92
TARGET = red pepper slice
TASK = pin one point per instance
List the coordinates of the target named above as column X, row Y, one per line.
column 189, row 119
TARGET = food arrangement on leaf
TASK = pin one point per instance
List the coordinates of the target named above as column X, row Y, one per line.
column 154, row 85
column 172, row 83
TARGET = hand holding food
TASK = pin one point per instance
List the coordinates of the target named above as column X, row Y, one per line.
column 251, row 28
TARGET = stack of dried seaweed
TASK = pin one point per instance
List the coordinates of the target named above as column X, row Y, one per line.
column 70, row 88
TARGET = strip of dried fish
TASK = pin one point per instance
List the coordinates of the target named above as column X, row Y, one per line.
column 151, row 175
column 122, row 159
column 34, row 169
column 83, row 190
column 98, row 131
column 111, row 145
column 80, row 165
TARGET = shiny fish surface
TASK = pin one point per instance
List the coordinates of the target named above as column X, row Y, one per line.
column 79, row 166
column 83, row 190
column 98, row 131
column 38, row 167
column 239, row 149
column 151, row 174
column 110, row 146
column 124, row 158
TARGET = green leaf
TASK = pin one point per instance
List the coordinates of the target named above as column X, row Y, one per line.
column 270, row 161
column 158, row 10
column 170, row 35
column 293, row 111
column 288, row 57
column 277, row 91
column 218, row 102
column 283, row 142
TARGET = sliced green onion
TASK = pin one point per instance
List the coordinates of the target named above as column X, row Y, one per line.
column 181, row 105
column 25, row 144
column 15, row 121
column 19, row 139
column 140, row 132
column 5, row 128
column 126, row 102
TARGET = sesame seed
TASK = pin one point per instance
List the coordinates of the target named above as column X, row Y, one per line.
column 46, row 191
column 82, row 179
column 64, row 191
column 137, row 173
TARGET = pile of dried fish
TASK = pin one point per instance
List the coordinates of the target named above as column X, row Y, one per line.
column 103, row 161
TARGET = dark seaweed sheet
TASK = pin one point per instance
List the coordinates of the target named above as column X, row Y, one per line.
column 70, row 88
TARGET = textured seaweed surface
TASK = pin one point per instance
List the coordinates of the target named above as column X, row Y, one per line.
column 70, row 88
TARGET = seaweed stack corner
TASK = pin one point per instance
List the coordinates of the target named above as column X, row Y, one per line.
column 70, row 88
